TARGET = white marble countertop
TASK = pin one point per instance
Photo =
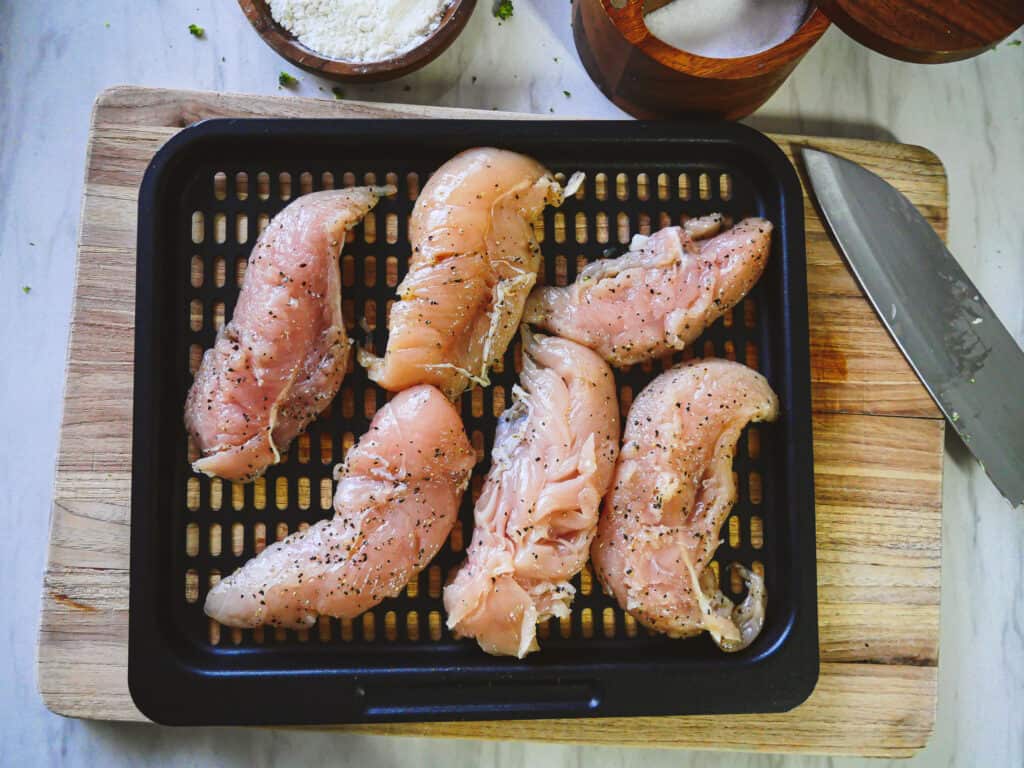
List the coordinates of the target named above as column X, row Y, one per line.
column 55, row 58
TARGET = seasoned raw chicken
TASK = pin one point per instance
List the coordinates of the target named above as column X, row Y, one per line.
column 661, row 295
column 281, row 359
column 474, row 261
column 673, row 488
column 398, row 496
column 553, row 457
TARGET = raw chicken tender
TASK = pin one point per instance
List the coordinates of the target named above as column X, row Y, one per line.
column 397, row 498
column 673, row 488
column 281, row 359
column 554, row 452
column 661, row 295
column 474, row 261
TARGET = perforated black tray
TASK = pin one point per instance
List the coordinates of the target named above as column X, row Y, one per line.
column 203, row 200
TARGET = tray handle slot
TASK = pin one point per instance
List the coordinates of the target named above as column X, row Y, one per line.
column 499, row 698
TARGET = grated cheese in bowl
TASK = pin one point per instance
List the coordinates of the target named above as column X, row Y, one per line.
column 360, row 31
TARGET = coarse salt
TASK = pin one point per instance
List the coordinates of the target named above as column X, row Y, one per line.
column 726, row 29
column 359, row 31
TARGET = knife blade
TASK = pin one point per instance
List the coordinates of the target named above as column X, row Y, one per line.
column 965, row 357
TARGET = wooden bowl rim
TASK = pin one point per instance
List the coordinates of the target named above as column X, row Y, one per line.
column 629, row 20
column 288, row 46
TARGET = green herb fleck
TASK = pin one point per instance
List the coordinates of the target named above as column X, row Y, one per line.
column 287, row 81
column 338, row 92
column 1015, row 43
column 196, row 30
column 106, row 24
column 503, row 10
column 26, row 289
column 567, row 94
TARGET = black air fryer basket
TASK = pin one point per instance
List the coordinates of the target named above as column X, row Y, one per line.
column 205, row 198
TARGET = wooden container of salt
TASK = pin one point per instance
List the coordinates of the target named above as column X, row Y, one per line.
column 651, row 78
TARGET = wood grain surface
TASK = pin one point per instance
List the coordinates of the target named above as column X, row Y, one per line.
column 878, row 442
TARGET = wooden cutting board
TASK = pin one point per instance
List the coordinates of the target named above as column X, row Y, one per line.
column 878, row 442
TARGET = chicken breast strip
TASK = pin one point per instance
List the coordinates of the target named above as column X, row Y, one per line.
column 661, row 295
column 474, row 261
column 672, row 490
column 280, row 360
column 554, row 452
column 397, row 498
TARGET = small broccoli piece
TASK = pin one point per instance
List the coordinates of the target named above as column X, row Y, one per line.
column 503, row 10
column 196, row 30
column 287, row 81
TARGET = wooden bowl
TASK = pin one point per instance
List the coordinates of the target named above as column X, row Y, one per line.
column 650, row 79
column 286, row 44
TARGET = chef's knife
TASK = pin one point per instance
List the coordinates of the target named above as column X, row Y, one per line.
column 963, row 355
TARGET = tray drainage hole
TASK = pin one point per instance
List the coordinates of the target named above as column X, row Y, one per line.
column 559, row 227
column 326, row 493
column 625, row 400
column 281, row 493
column 752, row 357
column 390, row 626
column 565, row 627
column 198, row 227
column 259, row 493
column 412, row 589
column 302, row 635
column 241, row 228
column 754, row 443
column 281, row 530
column 259, row 538
column 327, row 180
column 369, row 403
column 561, row 270
column 305, row 182
column 664, row 220
column 544, row 629
column 727, row 321
column 370, row 271
column 434, row 581
column 192, row 539
column 725, row 186
column 476, row 487
column 622, row 186
column 754, row 487
column 218, row 315
column 241, row 263
column 237, row 539
column 262, row 222
column 581, row 227
column 734, row 532
column 302, row 448
column 643, row 223
column 302, row 491
column 348, row 270
column 391, row 271
column 629, row 623
column 538, row 230
column 586, row 580
column 587, row 623
column 263, row 185
column 215, row 540
column 517, row 356
column 663, row 186
column 477, row 441
column 756, row 532
column 412, row 185
column 220, row 185
column 434, row 625
column 704, row 186
column 391, row 228
column 476, row 402
column 242, row 185
column 237, row 496
column 683, row 186
column 192, row 493
column 370, row 228
column 220, row 271
column 622, row 227
column 757, row 567
column 643, row 187
column 709, row 348
column 455, row 540
column 214, row 633
column 369, row 627
column 280, row 635
column 284, row 185
column 735, row 579
column 347, row 441
column 258, row 635
column 608, row 622
column 497, row 400
column 324, row 629
column 346, row 630
column 216, row 493
column 601, row 227
column 601, row 186
column 750, row 313
column 326, row 448
column 195, row 314
column 196, row 272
